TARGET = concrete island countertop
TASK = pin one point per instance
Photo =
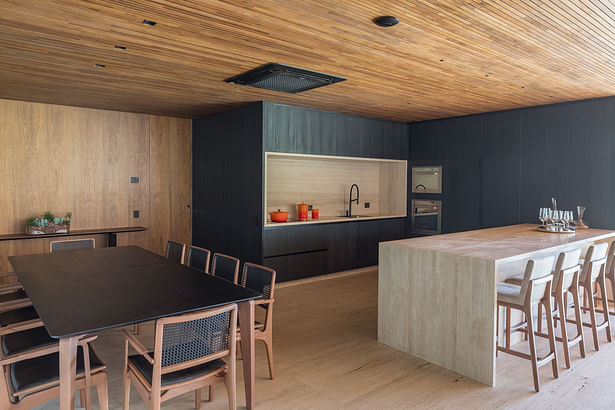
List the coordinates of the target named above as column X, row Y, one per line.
column 500, row 243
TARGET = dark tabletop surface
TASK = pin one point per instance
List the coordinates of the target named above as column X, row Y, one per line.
column 78, row 292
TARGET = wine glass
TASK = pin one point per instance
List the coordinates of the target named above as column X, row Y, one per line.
column 542, row 215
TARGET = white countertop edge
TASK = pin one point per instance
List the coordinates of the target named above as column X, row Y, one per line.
column 325, row 220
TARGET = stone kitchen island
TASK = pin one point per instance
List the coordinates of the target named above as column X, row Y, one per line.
column 437, row 294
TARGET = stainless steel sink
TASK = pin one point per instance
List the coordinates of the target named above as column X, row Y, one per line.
column 353, row 216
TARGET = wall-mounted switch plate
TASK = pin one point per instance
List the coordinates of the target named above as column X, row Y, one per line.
column 135, row 213
column 134, row 180
column 367, row 204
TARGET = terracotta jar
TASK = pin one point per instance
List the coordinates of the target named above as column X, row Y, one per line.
column 302, row 211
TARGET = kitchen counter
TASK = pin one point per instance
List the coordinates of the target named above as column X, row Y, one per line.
column 328, row 219
column 437, row 294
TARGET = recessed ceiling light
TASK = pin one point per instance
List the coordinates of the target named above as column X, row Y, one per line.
column 99, row 65
column 386, row 21
column 149, row 22
column 119, row 47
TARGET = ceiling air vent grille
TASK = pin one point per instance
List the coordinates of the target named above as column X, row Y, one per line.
column 285, row 78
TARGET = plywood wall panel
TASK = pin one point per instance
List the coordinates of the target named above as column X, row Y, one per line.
column 170, row 173
column 62, row 159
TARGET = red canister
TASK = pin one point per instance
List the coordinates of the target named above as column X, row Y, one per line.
column 302, row 211
column 314, row 213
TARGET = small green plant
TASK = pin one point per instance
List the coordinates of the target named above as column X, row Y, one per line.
column 67, row 218
column 31, row 221
column 48, row 216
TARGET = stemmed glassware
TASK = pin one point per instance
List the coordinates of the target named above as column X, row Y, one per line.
column 555, row 220
column 542, row 215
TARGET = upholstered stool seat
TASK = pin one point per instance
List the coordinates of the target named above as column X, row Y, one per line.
column 509, row 293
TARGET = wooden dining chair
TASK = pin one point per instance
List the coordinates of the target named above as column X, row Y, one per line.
column 198, row 258
column 31, row 378
column 225, row 267
column 191, row 351
column 72, row 245
column 593, row 274
column 535, row 289
column 262, row 279
column 175, row 251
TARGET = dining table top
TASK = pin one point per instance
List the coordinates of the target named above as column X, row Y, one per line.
column 86, row 291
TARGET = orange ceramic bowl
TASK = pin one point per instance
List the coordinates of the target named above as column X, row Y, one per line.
column 278, row 216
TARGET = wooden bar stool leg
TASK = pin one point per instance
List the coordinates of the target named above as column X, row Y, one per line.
column 551, row 329
column 507, row 327
column 497, row 329
column 605, row 306
column 531, row 336
column 539, row 318
column 592, row 315
column 577, row 314
column 561, row 309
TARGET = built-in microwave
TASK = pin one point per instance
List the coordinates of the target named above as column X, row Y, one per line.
column 426, row 216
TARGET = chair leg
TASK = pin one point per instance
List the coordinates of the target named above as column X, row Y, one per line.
column 539, row 317
column 507, row 330
column 126, row 391
column 592, row 316
column 210, row 396
column 197, row 399
column 551, row 329
column 605, row 307
column 229, row 382
column 136, row 328
column 579, row 317
column 561, row 309
column 268, row 345
column 531, row 337
column 82, row 399
column 497, row 328
column 102, row 389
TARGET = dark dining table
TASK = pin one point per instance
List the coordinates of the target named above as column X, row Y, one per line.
column 83, row 292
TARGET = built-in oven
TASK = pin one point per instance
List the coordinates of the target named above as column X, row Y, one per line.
column 426, row 216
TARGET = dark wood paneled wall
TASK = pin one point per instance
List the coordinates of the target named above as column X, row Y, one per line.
column 228, row 153
column 501, row 167
column 302, row 130
column 227, row 172
column 62, row 159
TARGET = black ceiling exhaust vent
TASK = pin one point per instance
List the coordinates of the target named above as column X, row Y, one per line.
column 285, row 78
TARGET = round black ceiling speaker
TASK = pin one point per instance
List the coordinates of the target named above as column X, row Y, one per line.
column 386, row 21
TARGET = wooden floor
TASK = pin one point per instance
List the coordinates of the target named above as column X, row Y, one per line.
column 327, row 357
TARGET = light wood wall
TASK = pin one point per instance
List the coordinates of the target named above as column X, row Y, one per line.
column 325, row 183
column 60, row 159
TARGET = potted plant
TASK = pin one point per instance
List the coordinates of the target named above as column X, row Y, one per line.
column 48, row 223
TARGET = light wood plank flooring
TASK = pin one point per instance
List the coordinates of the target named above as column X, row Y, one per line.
column 327, row 357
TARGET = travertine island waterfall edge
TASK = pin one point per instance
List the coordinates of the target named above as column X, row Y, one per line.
column 437, row 294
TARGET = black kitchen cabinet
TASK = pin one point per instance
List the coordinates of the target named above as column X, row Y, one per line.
column 504, row 166
column 228, row 183
column 301, row 251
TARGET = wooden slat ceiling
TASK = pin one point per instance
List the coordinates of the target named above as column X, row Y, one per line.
column 444, row 58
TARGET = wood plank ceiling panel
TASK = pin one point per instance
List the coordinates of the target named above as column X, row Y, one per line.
column 444, row 58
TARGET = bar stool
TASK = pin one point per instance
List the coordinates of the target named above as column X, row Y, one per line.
column 565, row 280
column 535, row 289
column 610, row 275
column 593, row 272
